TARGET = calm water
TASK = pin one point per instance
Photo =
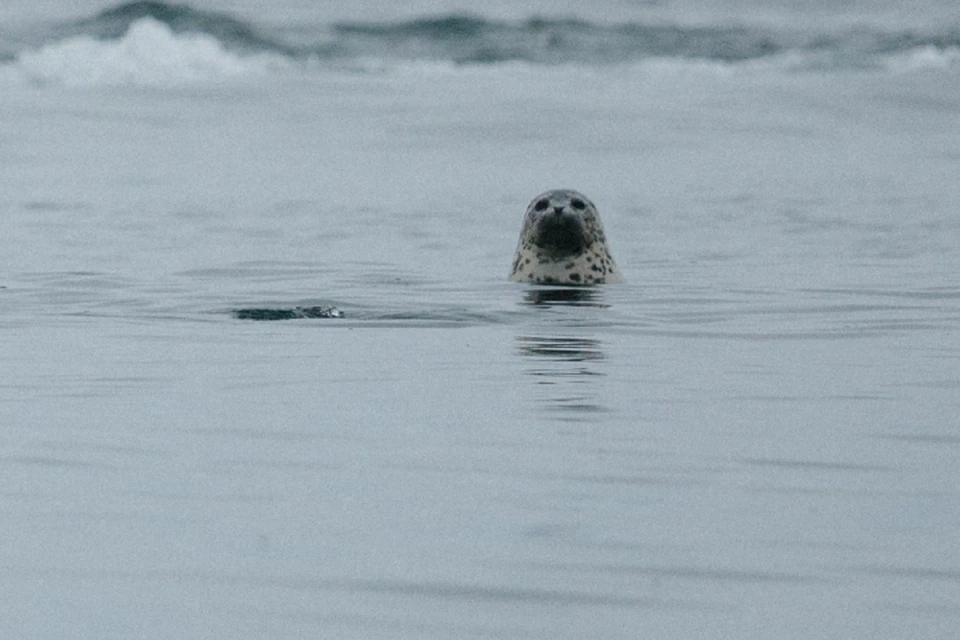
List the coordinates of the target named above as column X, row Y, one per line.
column 755, row 436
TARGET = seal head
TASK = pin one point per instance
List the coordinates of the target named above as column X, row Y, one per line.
column 562, row 242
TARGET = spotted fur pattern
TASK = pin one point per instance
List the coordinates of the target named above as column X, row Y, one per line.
column 562, row 242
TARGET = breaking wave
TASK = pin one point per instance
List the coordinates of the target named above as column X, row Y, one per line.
column 148, row 43
column 148, row 54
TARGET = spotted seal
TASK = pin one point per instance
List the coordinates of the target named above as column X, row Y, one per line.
column 562, row 242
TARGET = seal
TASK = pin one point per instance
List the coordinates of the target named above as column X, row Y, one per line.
column 562, row 242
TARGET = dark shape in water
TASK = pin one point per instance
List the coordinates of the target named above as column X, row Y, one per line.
column 446, row 27
column 288, row 314
column 570, row 349
column 574, row 296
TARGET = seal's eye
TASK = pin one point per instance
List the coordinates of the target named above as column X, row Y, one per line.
column 578, row 204
column 541, row 205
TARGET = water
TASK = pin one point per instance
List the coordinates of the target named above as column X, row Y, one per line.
column 754, row 437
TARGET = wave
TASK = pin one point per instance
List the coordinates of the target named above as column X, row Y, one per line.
column 148, row 54
column 179, row 19
column 464, row 39
column 158, row 42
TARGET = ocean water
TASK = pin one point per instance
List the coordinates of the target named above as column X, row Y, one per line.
column 755, row 436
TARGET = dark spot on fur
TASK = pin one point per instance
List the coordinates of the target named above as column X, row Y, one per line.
column 575, row 277
column 594, row 268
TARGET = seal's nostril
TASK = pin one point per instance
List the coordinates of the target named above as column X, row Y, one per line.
column 558, row 209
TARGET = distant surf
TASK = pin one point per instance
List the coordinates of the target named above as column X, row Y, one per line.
column 158, row 42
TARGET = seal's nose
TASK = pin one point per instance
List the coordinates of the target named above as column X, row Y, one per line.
column 558, row 209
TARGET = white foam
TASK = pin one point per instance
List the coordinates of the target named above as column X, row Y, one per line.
column 928, row 57
column 149, row 54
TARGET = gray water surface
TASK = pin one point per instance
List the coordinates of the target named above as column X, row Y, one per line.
column 755, row 436
column 503, row 461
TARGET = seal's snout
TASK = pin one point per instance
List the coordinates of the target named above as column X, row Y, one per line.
column 560, row 234
column 558, row 210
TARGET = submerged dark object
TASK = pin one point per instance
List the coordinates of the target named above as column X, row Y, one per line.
column 288, row 314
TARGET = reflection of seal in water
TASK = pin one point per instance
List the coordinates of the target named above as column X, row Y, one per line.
column 562, row 242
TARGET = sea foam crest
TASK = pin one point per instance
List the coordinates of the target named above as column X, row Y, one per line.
column 925, row 57
column 149, row 54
